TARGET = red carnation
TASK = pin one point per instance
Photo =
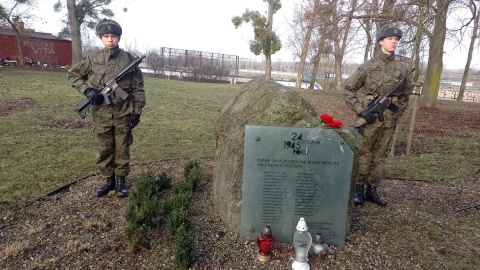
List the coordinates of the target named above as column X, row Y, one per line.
column 327, row 118
column 337, row 123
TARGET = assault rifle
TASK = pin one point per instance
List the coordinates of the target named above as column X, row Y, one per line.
column 378, row 104
column 109, row 87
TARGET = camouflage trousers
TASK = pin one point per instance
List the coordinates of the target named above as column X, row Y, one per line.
column 113, row 138
column 373, row 147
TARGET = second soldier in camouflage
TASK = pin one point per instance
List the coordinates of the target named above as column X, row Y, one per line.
column 374, row 142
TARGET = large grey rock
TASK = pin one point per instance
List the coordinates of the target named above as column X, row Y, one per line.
column 260, row 102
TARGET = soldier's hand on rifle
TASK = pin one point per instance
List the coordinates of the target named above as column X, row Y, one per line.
column 368, row 115
column 93, row 96
column 134, row 120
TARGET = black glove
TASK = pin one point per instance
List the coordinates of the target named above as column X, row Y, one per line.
column 134, row 120
column 368, row 115
column 94, row 97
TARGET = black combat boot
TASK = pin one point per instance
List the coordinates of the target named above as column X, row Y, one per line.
column 109, row 185
column 359, row 198
column 121, row 189
column 372, row 196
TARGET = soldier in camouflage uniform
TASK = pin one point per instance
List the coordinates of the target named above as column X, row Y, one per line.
column 374, row 140
column 113, row 123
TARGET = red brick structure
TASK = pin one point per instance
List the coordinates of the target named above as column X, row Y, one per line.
column 41, row 47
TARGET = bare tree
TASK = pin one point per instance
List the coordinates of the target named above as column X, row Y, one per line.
column 265, row 40
column 342, row 21
column 322, row 50
column 310, row 16
column 435, row 56
column 12, row 15
column 417, row 42
column 475, row 17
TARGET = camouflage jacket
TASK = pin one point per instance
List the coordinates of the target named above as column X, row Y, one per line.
column 100, row 66
column 377, row 76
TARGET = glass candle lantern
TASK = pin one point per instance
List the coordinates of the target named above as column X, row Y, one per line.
column 302, row 240
column 265, row 241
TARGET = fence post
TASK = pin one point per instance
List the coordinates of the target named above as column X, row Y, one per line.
column 416, row 93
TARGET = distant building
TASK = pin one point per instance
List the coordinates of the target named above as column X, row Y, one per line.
column 40, row 47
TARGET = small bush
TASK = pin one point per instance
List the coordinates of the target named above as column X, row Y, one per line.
column 184, row 249
column 137, row 236
column 182, row 187
column 192, row 164
column 193, row 175
column 143, row 209
column 147, row 184
column 164, row 181
column 178, row 201
column 194, row 178
column 177, row 218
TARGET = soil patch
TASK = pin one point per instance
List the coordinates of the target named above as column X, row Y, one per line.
column 17, row 105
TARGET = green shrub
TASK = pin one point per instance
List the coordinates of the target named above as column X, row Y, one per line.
column 137, row 236
column 184, row 249
column 164, row 181
column 193, row 175
column 182, row 187
column 194, row 178
column 177, row 201
column 147, row 183
column 177, row 218
column 189, row 166
column 142, row 211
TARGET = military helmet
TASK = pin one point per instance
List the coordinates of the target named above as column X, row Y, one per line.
column 388, row 31
column 107, row 26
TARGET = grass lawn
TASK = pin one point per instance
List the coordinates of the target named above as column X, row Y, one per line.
column 44, row 144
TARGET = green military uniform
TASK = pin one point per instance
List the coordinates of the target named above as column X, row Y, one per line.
column 376, row 76
column 113, row 123
column 113, row 136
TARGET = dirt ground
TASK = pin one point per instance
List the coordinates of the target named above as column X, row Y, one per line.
column 71, row 229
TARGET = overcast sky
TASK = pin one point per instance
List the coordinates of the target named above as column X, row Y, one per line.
column 202, row 25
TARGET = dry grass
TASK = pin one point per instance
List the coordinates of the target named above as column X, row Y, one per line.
column 15, row 249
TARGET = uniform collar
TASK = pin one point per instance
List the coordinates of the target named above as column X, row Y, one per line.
column 111, row 53
column 385, row 57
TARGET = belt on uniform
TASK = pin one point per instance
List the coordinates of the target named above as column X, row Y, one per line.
column 369, row 97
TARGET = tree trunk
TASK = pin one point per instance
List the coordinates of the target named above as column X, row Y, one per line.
column 306, row 44
column 316, row 61
column 435, row 56
column 416, row 47
column 268, row 55
column 340, row 48
column 470, row 50
column 75, row 32
column 368, row 47
column 20, row 45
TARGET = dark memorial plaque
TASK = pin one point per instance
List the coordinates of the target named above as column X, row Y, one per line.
column 290, row 173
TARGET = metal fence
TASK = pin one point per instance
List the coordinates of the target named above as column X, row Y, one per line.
column 192, row 65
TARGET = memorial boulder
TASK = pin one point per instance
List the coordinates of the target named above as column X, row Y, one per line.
column 259, row 102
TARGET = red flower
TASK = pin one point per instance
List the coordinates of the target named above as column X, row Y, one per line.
column 327, row 118
column 337, row 123
column 331, row 123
